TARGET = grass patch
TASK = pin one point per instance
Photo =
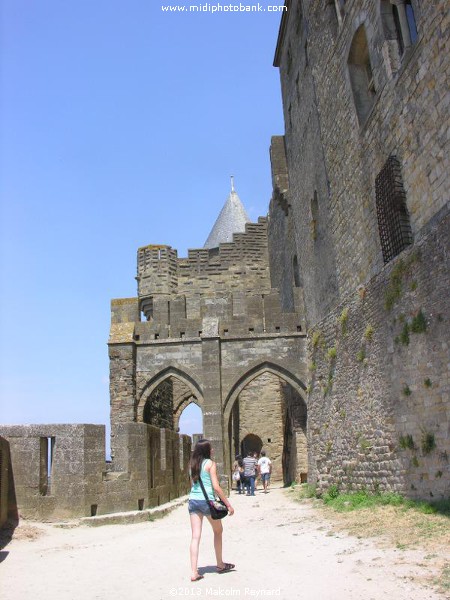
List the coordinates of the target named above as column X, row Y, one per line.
column 395, row 522
column 348, row 502
column 444, row 580
column 359, row 500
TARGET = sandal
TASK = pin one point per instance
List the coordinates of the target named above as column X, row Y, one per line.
column 197, row 578
column 226, row 567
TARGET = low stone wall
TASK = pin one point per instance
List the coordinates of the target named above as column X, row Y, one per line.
column 4, row 483
column 378, row 409
column 60, row 470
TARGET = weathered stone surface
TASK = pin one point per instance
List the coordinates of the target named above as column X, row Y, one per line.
column 60, row 470
column 378, row 405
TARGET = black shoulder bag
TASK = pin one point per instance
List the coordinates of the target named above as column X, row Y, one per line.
column 217, row 507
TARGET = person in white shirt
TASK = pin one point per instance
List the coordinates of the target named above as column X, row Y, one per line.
column 265, row 469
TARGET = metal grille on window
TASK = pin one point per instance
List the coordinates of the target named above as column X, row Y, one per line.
column 392, row 213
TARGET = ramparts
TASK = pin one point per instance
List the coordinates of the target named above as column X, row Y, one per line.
column 60, row 471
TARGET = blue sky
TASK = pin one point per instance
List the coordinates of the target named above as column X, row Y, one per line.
column 120, row 126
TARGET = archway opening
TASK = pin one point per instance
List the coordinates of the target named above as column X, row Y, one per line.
column 251, row 443
column 270, row 414
column 158, row 409
column 191, row 421
column 167, row 401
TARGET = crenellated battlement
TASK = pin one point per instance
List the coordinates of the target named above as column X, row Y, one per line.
column 242, row 264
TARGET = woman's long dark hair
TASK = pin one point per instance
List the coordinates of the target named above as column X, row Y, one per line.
column 202, row 450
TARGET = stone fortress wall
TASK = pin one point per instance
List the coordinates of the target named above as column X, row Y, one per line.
column 366, row 115
column 7, row 510
column 60, row 470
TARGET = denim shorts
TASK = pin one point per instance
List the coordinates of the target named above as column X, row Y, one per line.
column 200, row 507
column 265, row 476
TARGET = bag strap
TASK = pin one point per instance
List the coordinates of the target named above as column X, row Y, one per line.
column 203, row 488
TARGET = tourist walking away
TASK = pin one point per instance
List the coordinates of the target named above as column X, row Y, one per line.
column 250, row 473
column 255, row 455
column 238, row 473
column 202, row 466
column 265, row 469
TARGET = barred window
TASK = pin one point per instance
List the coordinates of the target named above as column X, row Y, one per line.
column 392, row 213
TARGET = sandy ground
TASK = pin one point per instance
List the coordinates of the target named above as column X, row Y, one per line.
column 282, row 549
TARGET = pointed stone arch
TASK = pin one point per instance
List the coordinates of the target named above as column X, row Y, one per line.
column 193, row 389
column 256, row 371
column 269, row 388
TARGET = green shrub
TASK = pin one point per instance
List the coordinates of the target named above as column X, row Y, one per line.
column 407, row 390
column 428, row 442
column 317, row 339
column 364, row 444
column 394, row 288
column 404, row 335
column 427, row 382
column 331, row 494
column 406, row 442
column 368, row 333
column 361, row 355
column 332, row 353
column 419, row 323
column 343, row 320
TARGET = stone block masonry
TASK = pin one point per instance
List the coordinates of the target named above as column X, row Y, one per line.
column 362, row 89
column 60, row 470
column 8, row 504
column 379, row 411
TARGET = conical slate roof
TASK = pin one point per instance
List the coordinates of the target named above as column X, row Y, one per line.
column 232, row 219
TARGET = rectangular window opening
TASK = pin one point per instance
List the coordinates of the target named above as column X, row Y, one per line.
column 141, row 504
column 47, row 445
column 94, row 508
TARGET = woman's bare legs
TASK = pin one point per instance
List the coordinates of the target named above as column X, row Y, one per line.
column 217, row 529
column 196, row 527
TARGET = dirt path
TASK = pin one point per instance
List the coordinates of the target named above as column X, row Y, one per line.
column 282, row 550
